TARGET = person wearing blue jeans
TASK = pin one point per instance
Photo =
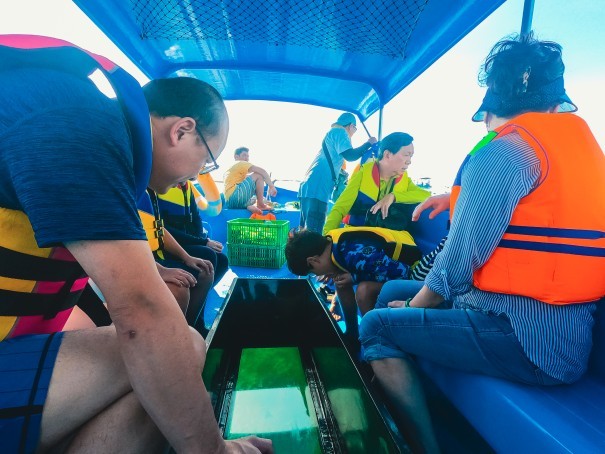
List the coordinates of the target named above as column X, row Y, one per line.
column 500, row 322
column 316, row 189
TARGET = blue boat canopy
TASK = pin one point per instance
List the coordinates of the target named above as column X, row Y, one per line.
column 352, row 55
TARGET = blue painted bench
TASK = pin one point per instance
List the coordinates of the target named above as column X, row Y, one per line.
column 513, row 417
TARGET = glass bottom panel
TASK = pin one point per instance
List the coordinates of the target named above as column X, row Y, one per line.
column 272, row 400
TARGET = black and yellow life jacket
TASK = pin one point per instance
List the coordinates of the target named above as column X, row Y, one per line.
column 153, row 224
column 398, row 245
column 40, row 286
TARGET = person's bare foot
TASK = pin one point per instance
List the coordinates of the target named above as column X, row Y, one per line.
column 263, row 207
column 253, row 209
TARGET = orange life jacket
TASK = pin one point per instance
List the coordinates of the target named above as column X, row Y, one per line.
column 554, row 247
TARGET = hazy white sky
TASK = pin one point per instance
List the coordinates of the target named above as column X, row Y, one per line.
column 435, row 109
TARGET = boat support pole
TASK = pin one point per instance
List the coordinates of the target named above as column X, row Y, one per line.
column 366, row 128
column 380, row 123
column 528, row 14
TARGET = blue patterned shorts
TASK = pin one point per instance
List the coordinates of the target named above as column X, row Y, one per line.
column 242, row 195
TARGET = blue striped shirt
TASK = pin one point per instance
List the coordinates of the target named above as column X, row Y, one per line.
column 555, row 338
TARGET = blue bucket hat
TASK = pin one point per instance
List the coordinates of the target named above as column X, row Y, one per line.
column 346, row 119
column 539, row 98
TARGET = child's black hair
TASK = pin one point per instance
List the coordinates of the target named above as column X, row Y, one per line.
column 301, row 246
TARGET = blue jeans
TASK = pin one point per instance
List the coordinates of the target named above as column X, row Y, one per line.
column 312, row 214
column 400, row 289
column 463, row 339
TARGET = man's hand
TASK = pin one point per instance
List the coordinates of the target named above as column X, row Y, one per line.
column 324, row 278
column 383, row 205
column 177, row 276
column 204, row 266
column 272, row 190
column 372, row 140
column 438, row 203
column 215, row 245
column 249, row 445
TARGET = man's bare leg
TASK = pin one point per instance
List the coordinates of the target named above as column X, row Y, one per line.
column 139, row 435
column 367, row 294
column 259, row 183
column 254, row 209
column 88, row 380
column 404, row 391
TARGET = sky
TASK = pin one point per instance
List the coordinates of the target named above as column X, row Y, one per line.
column 435, row 109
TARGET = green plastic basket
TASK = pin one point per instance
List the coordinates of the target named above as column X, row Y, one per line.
column 256, row 256
column 258, row 232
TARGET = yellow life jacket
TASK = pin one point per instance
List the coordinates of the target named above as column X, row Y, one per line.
column 149, row 212
column 398, row 245
column 175, row 208
column 39, row 286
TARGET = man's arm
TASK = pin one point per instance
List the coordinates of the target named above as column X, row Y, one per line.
column 353, row 154
column 154, row 341
column 263, row 173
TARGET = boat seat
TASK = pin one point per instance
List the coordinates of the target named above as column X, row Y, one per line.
column 513, row 417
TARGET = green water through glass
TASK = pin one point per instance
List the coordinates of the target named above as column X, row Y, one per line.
column 272, row 400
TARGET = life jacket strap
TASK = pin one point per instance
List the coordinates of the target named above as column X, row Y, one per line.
column 18, row 304
column 17, row 265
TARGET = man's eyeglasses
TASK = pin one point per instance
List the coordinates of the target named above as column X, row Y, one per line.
column 207, row 167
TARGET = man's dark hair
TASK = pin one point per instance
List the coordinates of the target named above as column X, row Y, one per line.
column 187, row 97
column 520, row 67
column 240, row 150
column 301, row 246
column 393, row 142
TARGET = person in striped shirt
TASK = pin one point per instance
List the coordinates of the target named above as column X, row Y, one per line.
column 495, row 332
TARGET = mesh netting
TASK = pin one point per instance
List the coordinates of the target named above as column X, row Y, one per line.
column 361, row 26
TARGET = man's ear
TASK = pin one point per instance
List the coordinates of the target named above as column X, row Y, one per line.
column 180, row 127
column 312, row 261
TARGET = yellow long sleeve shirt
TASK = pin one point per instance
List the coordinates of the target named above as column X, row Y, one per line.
column 343, row 205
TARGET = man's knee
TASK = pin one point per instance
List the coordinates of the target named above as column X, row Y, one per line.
column 256, row 176
column 199, row 344
column 366, row 294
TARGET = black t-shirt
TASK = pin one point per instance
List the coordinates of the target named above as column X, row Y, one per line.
column 65, row 158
